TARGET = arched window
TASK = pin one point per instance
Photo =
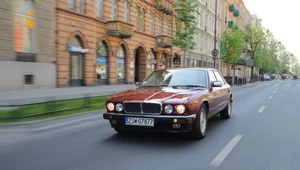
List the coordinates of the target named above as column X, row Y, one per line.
column 121, row 62
column 102, row 61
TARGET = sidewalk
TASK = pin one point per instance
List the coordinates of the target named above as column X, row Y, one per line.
column 42, row 95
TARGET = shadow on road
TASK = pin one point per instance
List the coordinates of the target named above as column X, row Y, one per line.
column 167, row 140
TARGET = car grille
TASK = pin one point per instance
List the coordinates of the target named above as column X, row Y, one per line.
column 142, row 108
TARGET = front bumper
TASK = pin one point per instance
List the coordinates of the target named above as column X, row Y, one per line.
column 162, row 123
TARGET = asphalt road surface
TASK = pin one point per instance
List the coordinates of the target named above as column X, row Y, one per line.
column 262, row 134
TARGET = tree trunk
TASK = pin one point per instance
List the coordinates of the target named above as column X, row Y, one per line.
column 184, row 58
column 252, row 69
column 233, row 75
column 251, row 76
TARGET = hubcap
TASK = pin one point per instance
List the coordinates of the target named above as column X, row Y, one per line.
column 229, row 108
column 203, row 121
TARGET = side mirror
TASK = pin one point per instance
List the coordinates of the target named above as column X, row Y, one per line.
column 217, row 84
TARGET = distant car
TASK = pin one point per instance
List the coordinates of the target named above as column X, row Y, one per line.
column 284, row 76
column 295, row 77
column 172, row 100
column 266, row 77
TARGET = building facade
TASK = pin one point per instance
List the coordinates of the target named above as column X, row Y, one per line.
column 256, row 20
column 234, row 12
column 201, row 56
column 112, row 41
column 27, row 44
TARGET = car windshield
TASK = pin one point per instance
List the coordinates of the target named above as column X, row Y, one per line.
column 190, row 78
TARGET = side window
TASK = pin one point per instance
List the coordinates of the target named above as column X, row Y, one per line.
column 219, row 77
column 212, row 76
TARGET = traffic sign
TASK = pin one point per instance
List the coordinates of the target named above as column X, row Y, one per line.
column 215, row 52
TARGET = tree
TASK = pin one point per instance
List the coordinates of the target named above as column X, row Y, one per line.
column 253, row 36
column 231, row 46
column 186, row 30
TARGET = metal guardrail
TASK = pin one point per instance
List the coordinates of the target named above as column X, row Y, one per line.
column 51, row 105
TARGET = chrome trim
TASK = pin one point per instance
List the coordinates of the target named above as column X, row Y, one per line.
column 140, row 102
column 152, row 116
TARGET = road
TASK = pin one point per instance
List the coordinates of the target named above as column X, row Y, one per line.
column 262, row 134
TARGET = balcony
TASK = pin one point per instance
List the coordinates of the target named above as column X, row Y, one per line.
column 236, row 13
column 231, row 8
column 119, row 28
column 231, row 24
column 164, row 6
column 163, row 41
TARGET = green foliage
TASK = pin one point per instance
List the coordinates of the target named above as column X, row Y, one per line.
column 232, row 45
column 253, row 36
column 269, row 55
column 185, row 32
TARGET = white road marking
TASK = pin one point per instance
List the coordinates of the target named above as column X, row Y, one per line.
column 274, row 91
column 287, row 85
column 224, row 153
column 48, row 127
column 10, row 141
column 276, row 84
column 261, row 109
column 270, row 97
column 298, row 85
column 69, row 122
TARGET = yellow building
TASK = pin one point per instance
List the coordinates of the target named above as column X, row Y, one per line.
column 234, row 12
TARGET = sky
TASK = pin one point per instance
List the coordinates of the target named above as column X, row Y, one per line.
column 282, row 17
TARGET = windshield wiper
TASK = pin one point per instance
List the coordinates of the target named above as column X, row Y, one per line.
column 189, row 85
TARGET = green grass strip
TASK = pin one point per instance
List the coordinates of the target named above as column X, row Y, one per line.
column 53, row 109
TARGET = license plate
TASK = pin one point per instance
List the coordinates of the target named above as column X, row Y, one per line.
column 134, row 121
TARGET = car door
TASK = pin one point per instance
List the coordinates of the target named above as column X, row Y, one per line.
column 215, row 95
column 224, row 90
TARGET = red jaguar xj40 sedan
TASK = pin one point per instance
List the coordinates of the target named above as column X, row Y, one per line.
column 171, row 100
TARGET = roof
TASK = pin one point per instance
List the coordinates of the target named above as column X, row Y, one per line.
column 190, row 68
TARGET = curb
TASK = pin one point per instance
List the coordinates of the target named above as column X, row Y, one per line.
column 101, row 111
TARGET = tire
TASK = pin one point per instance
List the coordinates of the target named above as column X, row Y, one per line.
column 226, row 112
column 200, row 125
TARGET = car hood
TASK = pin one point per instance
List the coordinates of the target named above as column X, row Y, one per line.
column 164, row 94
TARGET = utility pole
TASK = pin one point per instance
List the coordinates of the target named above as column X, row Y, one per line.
column 215, row 51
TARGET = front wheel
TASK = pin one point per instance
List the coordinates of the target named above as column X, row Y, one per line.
column 226, row 112
column 200, row 126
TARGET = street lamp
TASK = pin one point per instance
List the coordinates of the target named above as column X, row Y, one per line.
column 215, row 51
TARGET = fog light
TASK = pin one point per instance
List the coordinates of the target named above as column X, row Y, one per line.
column 176, row 125
column 114, row 122
column 175, row 120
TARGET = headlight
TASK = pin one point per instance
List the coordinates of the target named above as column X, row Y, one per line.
column 169, row 109
column 119, row 107
column 110, row 106
column 180, row 109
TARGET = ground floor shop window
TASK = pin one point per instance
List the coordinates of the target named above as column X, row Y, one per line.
column 24, row 26
column 76, row 66
column 77, row 51
column 102, row 61
column 152, row 61
column 163, row 61
column 121, row 64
